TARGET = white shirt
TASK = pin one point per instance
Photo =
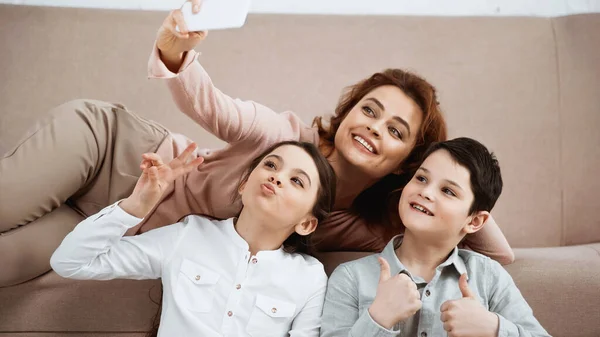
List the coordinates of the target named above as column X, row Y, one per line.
column 212, row 286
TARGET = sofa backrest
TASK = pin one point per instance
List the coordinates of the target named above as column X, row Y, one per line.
column 528, row 88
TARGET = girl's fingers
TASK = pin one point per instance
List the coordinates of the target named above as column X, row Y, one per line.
column 154, row 158
column 187, row 152
column 193, row 164
column 153, row 174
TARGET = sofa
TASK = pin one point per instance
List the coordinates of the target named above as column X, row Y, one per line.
column 527, row 87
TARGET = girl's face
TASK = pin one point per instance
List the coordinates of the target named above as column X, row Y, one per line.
column 283, row 188
column 379, row 132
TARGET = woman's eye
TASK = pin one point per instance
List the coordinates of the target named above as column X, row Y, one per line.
column 421, row 179
column 369, row 111
column 297, row 182
column 395, row 132
column 449, row 192
column 270, row 164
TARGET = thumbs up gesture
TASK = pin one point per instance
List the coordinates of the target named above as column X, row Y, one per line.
column 397, row 298
column 466, row 317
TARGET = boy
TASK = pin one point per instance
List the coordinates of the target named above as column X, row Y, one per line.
column 422, row 284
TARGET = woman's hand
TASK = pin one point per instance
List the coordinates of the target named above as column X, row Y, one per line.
column 155, row 179
column 174, row 44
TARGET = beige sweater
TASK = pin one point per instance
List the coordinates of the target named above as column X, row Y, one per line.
column 249, row 128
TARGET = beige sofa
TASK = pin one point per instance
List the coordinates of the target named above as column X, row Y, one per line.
column 529, row 88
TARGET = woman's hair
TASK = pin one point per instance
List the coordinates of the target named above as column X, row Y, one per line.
column 295, row 243
column 373, row 203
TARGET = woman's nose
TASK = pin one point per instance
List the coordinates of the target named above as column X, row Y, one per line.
column 374, row 130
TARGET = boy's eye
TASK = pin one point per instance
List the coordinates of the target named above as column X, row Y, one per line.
column 449, row 192
column 369, row 111
column 297, row 181
column 395, row 132
column 270, row 164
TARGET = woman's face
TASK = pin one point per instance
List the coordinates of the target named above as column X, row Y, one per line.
column 283, row 188
column 379, row 132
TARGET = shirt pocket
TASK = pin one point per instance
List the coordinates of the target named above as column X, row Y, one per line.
column 270, row 317
column 195, row 288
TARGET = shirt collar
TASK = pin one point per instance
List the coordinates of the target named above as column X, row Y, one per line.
column 241, row 243
column 396, row 267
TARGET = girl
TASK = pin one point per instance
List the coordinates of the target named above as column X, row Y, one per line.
column 244, row 276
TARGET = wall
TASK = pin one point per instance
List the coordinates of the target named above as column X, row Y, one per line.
column 391, row 7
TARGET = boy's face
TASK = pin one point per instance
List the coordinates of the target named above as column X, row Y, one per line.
column 435, row 203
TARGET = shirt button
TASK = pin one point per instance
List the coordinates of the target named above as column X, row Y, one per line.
column 254, row 260
column 197, row 277
column 427, row 293
column 229, row 313
column 238, row 286
column 274, row 310
column 423, row 334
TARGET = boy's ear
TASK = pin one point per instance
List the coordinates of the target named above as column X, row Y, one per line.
column 307, row 226
column 477, row 221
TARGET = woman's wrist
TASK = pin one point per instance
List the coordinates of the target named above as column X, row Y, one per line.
column 172, row 61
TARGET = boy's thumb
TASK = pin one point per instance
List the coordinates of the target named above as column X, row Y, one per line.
column 384, row 274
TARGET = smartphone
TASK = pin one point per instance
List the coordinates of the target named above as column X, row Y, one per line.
column 216, row 14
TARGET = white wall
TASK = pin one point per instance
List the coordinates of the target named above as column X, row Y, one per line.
column 406, row 7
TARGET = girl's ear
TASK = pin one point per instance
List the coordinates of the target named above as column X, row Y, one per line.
column 241, row 187
column 307, row 226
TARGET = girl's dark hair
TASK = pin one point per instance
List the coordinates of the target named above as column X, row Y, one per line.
column 295, row 243
column 373, row 204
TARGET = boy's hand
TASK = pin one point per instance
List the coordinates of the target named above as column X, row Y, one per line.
column 397, row 298
column 155, row 179
column 466, row 317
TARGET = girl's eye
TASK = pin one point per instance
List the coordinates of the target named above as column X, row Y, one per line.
column 297, row 182
column 270, row 164
column 421, row 179
column 449, row 192
column 369, row 111
column 395, row 132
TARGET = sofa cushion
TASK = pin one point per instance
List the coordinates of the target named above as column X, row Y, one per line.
column 51, row 303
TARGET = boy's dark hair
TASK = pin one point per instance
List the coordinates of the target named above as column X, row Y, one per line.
column 483, row 167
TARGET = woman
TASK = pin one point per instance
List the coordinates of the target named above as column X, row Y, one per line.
column 380, row 128
column 244, row 276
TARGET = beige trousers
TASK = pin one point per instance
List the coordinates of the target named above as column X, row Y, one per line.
column 80, row 157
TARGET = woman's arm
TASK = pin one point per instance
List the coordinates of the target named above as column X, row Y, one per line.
column 231, row 120
column 96, row 248
column 490, row 241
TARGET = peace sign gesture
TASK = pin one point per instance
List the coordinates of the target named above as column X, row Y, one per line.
column 155, row 179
